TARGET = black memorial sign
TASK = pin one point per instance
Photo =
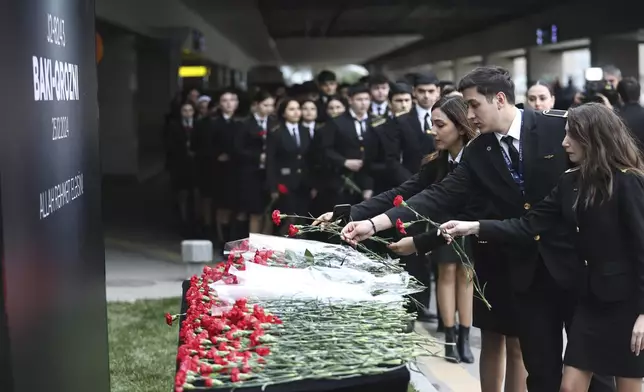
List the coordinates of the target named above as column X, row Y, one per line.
column 53, row 267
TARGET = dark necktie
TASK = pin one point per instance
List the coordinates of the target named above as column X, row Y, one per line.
column 380, row 110
column 452, row 166
column 428, row 122
column 360, row 127
column 514, row 154
column 296, row 135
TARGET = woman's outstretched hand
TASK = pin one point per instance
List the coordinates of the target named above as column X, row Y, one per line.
column 460, row 228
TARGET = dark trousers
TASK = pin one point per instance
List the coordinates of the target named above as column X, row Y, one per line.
column 544, row 310
column 420, row 268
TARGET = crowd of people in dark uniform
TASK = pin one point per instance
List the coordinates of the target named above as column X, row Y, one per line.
column 305, row 149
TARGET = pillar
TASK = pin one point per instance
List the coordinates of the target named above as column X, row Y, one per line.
column 117, row 85
column 544, row 65
column 622, row 53
column 500, row 61
column 462, row 68
column 445, row 73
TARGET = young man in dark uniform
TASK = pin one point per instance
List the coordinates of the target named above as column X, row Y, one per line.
column 328, row 85
column 514, row 164
column 348, row 141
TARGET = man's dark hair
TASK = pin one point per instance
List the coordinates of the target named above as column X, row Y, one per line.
column 358, row 88
column 326, row 76
column 629, row 90
column 399, row 88
column 377, row 80
column 489, row 81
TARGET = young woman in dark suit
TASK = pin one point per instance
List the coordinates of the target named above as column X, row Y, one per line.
column 500, row 350
column 452, row 131
column 250, row 150
column 600, row 202
column 287, row 150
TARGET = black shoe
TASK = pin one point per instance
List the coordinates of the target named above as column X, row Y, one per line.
column 451, row 353
column 463, row 344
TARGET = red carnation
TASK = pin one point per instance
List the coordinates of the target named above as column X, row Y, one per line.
column 292, row 231
column 277, row 217
column 282, row 189
column 169, row 319
column 262, row 133
column 400, row 226
column 398, row 201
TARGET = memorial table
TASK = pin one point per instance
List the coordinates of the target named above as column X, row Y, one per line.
column 395, row 380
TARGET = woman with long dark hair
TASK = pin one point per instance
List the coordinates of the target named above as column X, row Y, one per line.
column 452, row 131
column 600, row 201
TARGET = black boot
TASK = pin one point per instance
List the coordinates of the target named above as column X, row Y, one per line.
column 441, row 326
column 451, row 353
column 463, row 344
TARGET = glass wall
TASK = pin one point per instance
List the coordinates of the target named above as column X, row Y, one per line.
column 575, row 62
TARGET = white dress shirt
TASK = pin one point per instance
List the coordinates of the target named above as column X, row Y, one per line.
column 514, row 131
column 260, row 121
column 379, row 109
column 457, row 159
column 360, row 123
column 421, row 117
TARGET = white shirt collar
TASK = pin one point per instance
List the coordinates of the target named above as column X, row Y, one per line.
column 354, row 115
column 259, row 119
column 422, row 112
column 379, row 107
column 515, row 128
column 458, row 157
column 291, row 127
column 308, row 124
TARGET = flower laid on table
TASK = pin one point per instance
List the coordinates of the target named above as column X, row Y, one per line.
column 333, row 228
column 399, row 201
column 260, row 343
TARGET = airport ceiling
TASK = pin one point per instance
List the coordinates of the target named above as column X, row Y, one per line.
column 423, row 21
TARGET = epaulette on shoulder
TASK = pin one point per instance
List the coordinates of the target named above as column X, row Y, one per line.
column 556, row 113
column 378, row 121
column 275, row 128
column 624, row 170
column 574, row 169
column 432, row 156
column 401, row 113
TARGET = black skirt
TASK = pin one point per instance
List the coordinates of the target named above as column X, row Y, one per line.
column 252, row 195
column 222, row 186
column 447, row 255
column 493, row 276
column 599, row 340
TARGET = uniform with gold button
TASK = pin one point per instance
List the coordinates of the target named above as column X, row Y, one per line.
column 607, row 237
column 287, row 149
column 513, row 169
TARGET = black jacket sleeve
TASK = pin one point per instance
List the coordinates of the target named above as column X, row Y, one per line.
column 631, row 206
column 541, row 218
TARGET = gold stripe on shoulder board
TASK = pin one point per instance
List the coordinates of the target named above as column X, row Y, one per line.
column 401, row 113
column 572, row 170
column 275, row 128
column 556, row 113
column 378, row 121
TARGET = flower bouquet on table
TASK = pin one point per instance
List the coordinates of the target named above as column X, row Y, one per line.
column 264, row 338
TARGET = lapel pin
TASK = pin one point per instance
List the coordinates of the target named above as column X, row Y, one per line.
column 489, row 148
